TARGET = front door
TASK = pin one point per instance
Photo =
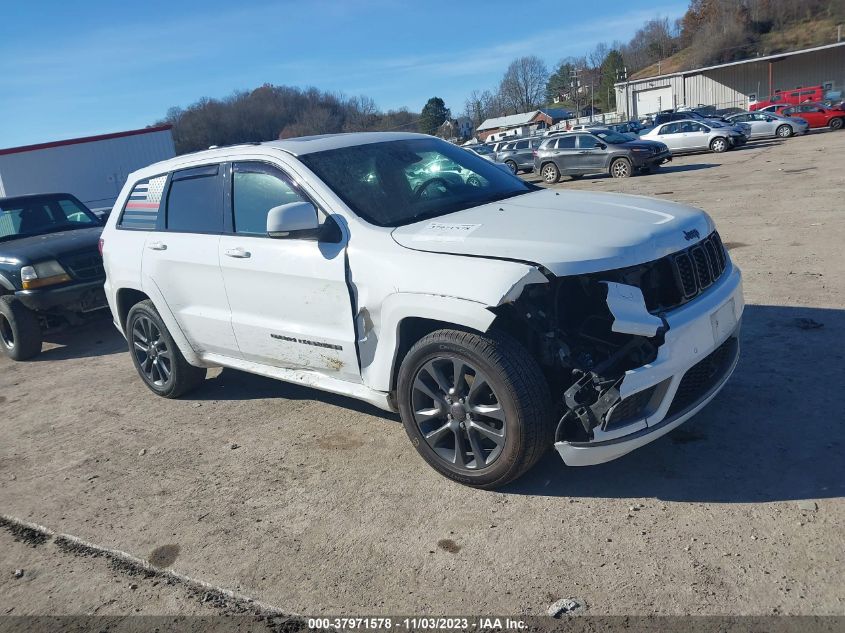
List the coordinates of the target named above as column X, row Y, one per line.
column 291, row 304
column 694, row 135
column 670, row 135
column 182, row 260
column 591, row 156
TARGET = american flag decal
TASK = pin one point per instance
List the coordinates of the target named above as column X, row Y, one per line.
column 141, row 210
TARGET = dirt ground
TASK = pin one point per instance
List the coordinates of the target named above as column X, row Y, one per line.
column 317, row 504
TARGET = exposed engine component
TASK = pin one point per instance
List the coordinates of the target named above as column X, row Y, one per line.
column 586, row 331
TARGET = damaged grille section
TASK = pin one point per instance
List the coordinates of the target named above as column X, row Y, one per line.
column 672, row 281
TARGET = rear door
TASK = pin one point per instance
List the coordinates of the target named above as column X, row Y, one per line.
column 182, row 259
column 523, row 155
column 566, row 155
column 291, row 304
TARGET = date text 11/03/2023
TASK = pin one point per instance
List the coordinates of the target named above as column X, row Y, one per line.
column 416, row 623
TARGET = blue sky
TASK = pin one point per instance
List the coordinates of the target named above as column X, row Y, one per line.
column 71, row 69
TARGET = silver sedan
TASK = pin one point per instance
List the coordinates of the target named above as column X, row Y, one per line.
column 695, row 136
column 765, row 124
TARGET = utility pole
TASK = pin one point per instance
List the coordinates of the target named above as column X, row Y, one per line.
column 575, row 85
column 622, row 75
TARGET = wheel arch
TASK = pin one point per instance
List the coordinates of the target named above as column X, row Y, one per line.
column 6, row 285
column 407, row 317
column 127, row 297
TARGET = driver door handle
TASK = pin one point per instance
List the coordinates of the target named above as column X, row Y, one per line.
column 238, row 253
column 157, row 246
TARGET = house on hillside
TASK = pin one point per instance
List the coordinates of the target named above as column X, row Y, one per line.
column 734, row 84
column 455, row 129
column 524, row 124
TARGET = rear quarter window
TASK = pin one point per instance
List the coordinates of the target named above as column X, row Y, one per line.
column 142, row 207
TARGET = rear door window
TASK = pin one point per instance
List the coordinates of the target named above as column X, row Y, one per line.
column 567, row 142
column 195, row 201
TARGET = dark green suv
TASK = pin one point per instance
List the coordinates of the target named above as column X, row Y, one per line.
column 51, row 270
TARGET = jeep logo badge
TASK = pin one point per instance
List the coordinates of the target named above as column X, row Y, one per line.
column 691, row 235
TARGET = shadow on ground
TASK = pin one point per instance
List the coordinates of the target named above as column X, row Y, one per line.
column 774, row 433
column 97, row 337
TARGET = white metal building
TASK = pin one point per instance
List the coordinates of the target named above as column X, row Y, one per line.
column 736, row 83
column 92, row 168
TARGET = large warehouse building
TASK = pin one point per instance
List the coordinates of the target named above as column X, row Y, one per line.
column 92, row 168
column 736, row 83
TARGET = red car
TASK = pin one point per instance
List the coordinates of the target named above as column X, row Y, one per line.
column 787, row 97
column 817, row 115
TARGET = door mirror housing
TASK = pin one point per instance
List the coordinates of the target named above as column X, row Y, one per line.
column 293, row 220
column 601, row 145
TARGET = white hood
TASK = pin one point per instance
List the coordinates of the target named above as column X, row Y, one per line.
column 568, row 232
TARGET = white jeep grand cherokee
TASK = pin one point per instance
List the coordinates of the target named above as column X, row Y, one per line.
column 498, row 318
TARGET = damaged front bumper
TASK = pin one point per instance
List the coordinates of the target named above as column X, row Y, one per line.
column 699, row 354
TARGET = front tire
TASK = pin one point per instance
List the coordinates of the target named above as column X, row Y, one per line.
column 784, row 131
column 719, row 145
column 550, row 173
column 155, row 355
column 835, row 124
column 620, row 168
column 20, row 332
column 512, row 166
column 475, row 406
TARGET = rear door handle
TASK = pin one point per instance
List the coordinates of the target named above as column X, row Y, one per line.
column 157, row 246
column 238, row 253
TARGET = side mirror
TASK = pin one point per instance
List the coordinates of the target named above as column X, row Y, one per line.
column 601, row 146
column 295, row 219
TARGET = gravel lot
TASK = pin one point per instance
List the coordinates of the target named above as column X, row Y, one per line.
column 317, row 504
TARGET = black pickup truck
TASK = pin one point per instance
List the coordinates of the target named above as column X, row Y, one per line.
column 51, row 270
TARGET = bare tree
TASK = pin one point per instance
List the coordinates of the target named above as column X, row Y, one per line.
column 524, row 85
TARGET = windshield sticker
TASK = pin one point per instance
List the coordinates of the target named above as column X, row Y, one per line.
column 444, row 232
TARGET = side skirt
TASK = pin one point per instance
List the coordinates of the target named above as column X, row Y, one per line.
column 305, row 377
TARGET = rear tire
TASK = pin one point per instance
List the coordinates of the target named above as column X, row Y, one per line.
column 475, row 406
column 784, row 131
column 835, row 124
column 156, row 356
column 719, row 145
column 20, row 332
column 550, row 173
column 620, row 168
